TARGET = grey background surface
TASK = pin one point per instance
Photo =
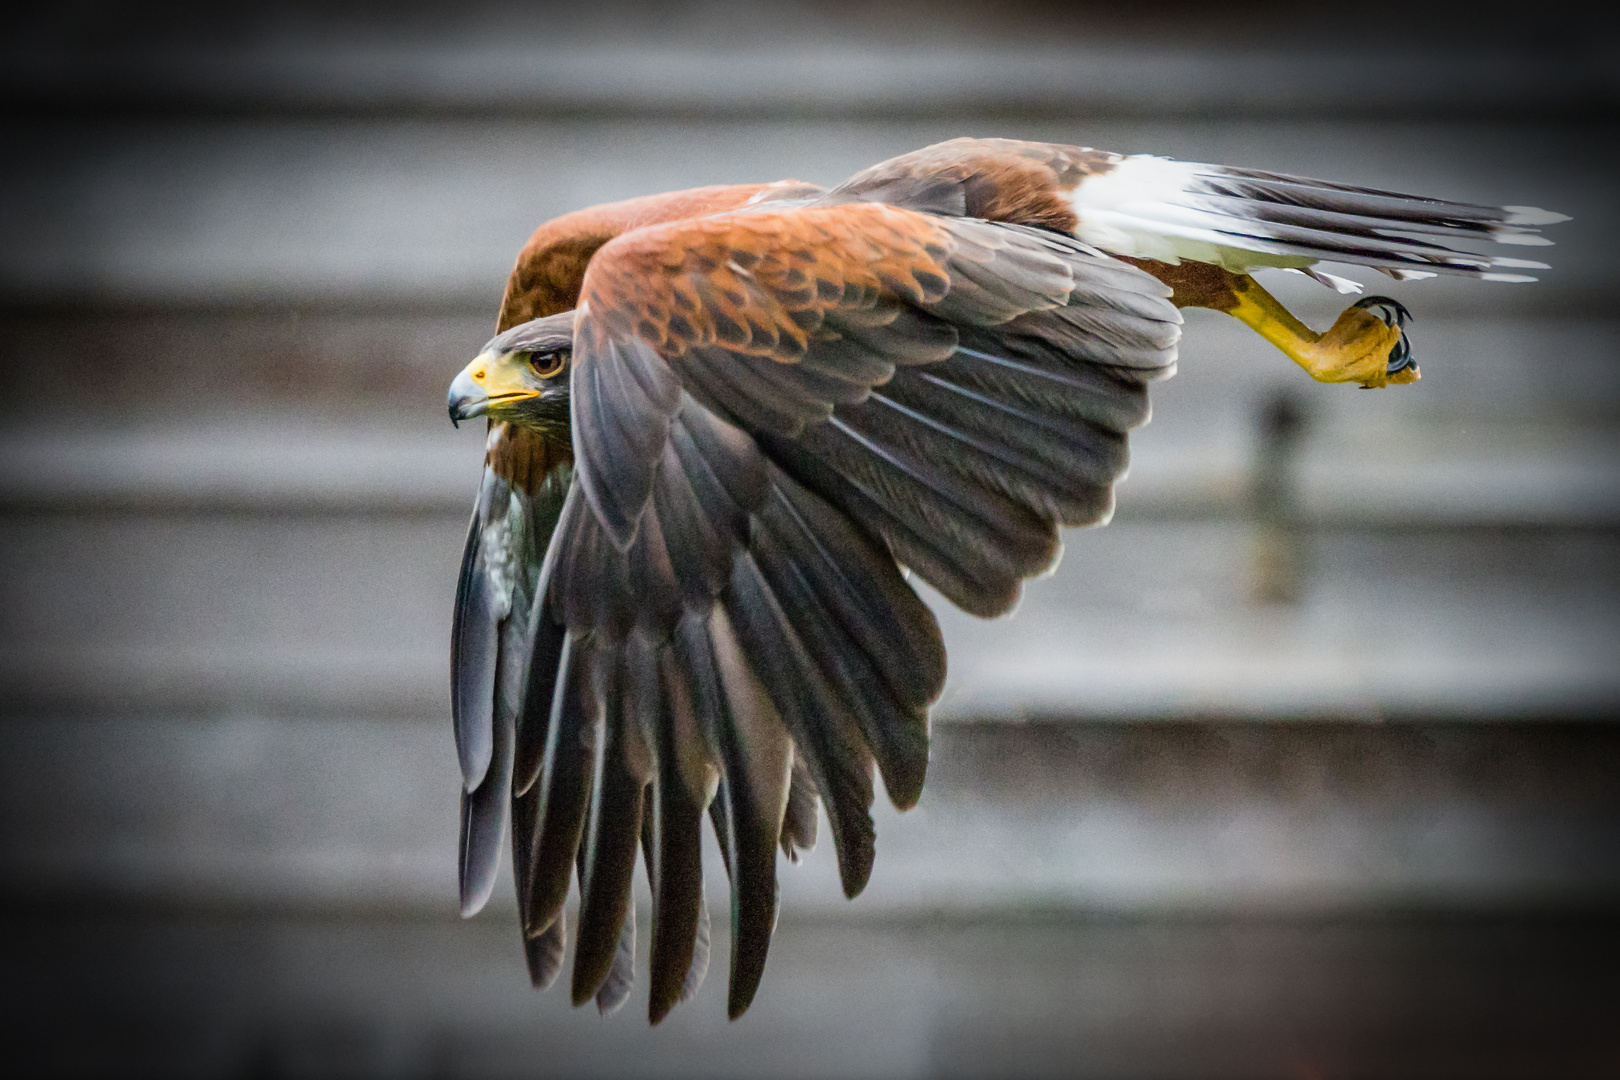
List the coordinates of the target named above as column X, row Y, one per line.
column 1173, row 826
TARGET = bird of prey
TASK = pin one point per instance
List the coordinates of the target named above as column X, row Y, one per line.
column 727, row 425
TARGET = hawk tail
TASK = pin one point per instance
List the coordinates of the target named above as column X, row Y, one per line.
column 1242, row 219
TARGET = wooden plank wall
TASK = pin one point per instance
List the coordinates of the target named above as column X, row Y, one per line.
column 1184, row 818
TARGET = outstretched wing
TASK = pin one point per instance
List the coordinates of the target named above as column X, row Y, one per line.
column 769, row 410
column 495, row 634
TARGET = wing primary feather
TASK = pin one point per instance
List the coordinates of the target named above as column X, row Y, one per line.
column 544, row 954
column 621, row 976
column 897, row 735
column 474, row 644
column 752, row 854
column 859, row 581
column 701, row 946
column 534, row 722
column 817, row 719
column 802, row 814
column 676, row 863
column 563, row 792
column 729, row 457
column 612, row 831
column 720, row 822
column 756, row 755
column 525, row 821
column 484, row 812
column 535, row 654
column 487, row 807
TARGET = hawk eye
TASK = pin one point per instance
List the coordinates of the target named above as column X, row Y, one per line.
column 548, row 365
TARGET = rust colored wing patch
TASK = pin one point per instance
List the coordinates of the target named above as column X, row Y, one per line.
column 762, row 284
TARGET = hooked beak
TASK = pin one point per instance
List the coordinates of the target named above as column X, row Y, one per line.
column 467, row 398
column 489, row 380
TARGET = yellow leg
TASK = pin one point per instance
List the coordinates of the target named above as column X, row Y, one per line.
column 1356, row 348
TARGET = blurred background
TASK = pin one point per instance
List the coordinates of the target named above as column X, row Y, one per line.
column 1304, row 767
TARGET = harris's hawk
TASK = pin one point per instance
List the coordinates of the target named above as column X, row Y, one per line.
column 727, row 423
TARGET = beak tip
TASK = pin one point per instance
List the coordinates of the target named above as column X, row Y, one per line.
column 466, row 399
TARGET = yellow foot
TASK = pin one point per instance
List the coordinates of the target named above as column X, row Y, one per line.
column 1367, row 345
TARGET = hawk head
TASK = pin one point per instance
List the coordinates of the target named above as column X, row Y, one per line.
column 520, row 376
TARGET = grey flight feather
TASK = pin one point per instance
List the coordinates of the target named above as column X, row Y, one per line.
column 494, row 636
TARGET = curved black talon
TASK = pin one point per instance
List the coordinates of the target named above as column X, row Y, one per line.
column 1392, row 311
column 1400, row 357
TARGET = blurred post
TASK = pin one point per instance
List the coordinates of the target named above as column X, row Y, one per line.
column 1279, row 540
